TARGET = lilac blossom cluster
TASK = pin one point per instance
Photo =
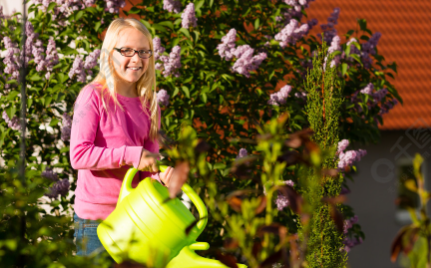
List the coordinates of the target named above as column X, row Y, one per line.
column 346, row 158
column 113, row 6
column 291, row 33
column 335, row 46
column 50, row 174
column 369, row 48
column 51, row 57
column 91, row 61
column 282, row 200
column 163, row 97
column 11, row 58
column 348, row 241
column 79, row 66
column 246, row 62
column 171, row 63
column 227, row 48
column 280, row 97
column 188, row 17
column 295, row 11
column 242, row 153
column 12, row 123
column 157, row 47
column 329, row 32
column 60, row 187
column 172, row 5
column 67, row 127
column 376, row 98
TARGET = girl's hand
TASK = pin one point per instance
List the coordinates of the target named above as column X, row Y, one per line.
column 147, row 162
column 166, row 176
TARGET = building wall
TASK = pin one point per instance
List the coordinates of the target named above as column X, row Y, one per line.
column 374, row 191
column 9, row 5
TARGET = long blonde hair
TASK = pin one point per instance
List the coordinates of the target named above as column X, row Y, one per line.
column 146, row 85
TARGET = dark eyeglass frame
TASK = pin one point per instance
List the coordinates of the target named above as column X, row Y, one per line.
column 135, row 51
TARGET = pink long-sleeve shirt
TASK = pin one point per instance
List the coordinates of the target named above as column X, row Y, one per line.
column 104, row 146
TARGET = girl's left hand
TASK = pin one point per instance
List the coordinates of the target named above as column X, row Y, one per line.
column 165, row 176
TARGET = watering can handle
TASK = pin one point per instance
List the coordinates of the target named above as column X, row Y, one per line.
column 127, row 188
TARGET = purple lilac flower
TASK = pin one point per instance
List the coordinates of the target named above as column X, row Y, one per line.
column 280, row 97
column 387, row 106
column 369, row 48
column 328, row 29
column 113, row 6
column 50, row 174
column 335, row 46
column 291, row 33
column 163, row 97
column 31, row 37
column 353, row 49
column 344, row 190
column 347, row 158
column 11, row 58
column 368, row 89
column 188, row 16
column 67, row 127
column 295, row 11
column 91, row 59
column 172, row 5
column 246, row 62
column 158, row 49
column 281, row 202
column 172, row 63
column 301, row 95
column 59, row 188
column 342, row 146
column 242, row 153
column 51, row 56
column 14, row 123
column 78, row 69
column 227, row 49
column 350, row 242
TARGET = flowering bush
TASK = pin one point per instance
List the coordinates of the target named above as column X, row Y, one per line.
column 218, row 67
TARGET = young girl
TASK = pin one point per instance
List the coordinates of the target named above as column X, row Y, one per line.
column 115, row 124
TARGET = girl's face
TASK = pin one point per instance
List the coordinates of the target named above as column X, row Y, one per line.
column 130, row 69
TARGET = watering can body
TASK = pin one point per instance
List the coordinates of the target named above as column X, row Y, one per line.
column 148, row 228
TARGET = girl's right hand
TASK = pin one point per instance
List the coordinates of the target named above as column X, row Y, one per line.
column 147, row 162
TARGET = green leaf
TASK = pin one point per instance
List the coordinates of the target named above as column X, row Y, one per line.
column 256, row 24
column 35, row 77
column 134, row 10
column 186, row 91
column 344, row 67
column 211, row 3
column 168, row 24
column 159, row 28
column 362, row 24
column 54, row 122
column 48, row 100
column 204, row 98
column 11, row 112
column 199, row 4
column 51, row 6
column 97, row 25
column 197, row 34
column 175, row 41
column 12, row 95
column 185, row 32
column 79, row 14
column 219, row 166
column 147, row 24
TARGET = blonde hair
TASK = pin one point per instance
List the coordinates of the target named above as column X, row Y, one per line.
column 145, row 86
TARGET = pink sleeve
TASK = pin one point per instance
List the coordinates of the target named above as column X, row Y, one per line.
column 83, row 153
column 153, row 146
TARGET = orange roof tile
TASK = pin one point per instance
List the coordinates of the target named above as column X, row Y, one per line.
column 406, row 39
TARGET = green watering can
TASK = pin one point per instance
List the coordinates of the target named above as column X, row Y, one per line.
column 148, row 230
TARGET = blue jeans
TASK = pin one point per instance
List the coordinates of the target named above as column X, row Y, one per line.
column 87, row 241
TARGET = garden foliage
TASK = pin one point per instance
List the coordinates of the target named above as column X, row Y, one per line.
column 219, row 65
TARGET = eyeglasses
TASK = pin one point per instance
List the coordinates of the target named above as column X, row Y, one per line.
column 129, row 52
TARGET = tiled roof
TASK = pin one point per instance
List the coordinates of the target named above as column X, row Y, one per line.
column 406, row 39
